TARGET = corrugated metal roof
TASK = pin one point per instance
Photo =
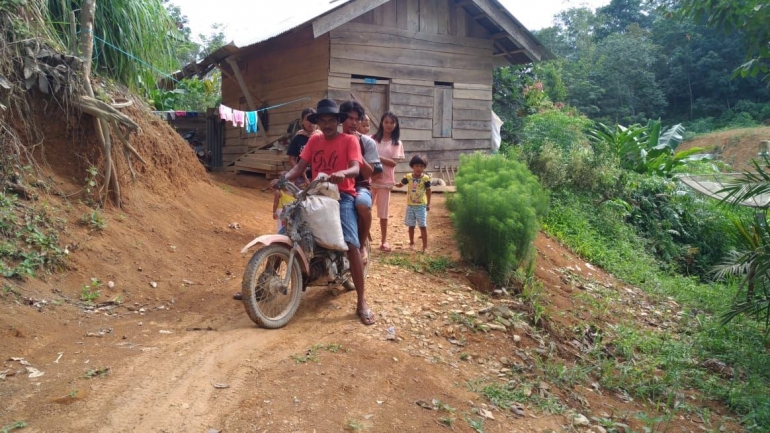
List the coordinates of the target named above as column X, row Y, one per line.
column 294, row 14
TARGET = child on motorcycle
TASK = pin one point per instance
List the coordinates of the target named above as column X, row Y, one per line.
column 281, row 197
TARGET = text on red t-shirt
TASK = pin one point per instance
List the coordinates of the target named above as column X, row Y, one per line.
column 330, row 156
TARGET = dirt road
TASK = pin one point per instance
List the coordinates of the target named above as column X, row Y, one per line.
column 184, row 357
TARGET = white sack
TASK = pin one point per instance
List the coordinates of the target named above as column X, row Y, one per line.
column 323, row 215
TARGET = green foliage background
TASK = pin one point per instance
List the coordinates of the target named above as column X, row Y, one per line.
column 142, row 28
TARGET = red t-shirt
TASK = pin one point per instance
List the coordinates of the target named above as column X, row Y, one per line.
column 329, row 156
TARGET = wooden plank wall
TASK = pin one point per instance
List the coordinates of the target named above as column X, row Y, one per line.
column 421, row 44
column 291, row 66
column 441, row 17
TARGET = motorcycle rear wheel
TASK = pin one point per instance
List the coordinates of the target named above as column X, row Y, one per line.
column 268, row 303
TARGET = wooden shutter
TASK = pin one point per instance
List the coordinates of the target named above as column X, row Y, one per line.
column 442, row 111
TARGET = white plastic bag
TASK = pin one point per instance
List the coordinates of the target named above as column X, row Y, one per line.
column 323, row 215
column 497, row 123
column 327, row 189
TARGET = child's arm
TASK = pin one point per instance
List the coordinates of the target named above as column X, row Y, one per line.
column 427, row 195
column 403, row 182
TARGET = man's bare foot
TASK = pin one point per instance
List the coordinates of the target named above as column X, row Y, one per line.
column 411, row 247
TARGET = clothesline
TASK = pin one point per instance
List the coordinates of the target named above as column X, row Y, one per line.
column 248, row 119
column 172, row 114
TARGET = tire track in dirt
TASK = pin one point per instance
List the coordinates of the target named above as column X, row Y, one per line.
column 171, row 388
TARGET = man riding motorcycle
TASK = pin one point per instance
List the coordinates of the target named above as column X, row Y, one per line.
column 339, row 156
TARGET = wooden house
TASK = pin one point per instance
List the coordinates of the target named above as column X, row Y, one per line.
column 428, row 61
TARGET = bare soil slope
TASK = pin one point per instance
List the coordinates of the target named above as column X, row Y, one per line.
column 736, row 147
column 168, row 350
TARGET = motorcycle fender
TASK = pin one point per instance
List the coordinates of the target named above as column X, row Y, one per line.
column 280, row 239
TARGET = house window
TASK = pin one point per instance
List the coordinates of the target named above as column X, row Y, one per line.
column 442, row 110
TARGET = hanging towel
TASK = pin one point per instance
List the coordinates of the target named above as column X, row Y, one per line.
column 238, row 118
column 171, row 115
column 181, row 113
column 251, row 122
column 192, row 114
column 225, row 113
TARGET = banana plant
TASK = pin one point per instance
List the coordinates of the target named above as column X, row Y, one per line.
column 645, row 149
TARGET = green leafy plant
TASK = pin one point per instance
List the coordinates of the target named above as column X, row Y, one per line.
column 644, row 149
column 29, row 237
column 477, row 424
column 90, row 180
column 90, row 292
column 94, row 220
column 164, row 100
column 13, row 426
column 496, row 212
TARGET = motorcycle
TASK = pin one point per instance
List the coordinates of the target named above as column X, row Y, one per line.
column 198, row 147
column 286, row 265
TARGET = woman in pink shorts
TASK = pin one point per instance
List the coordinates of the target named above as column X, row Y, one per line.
column 391, row 152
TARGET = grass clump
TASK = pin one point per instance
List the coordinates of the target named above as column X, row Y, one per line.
column 311, row 354
column 420, row 263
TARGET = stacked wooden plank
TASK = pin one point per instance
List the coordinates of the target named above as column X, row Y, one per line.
column 271, row 163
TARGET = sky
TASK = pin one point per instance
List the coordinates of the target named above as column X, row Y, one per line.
column 239, row 16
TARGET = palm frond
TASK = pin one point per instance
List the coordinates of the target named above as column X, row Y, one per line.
column 748, row 185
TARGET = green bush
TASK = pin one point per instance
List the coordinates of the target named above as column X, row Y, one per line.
column 701, row 126
column 557, row 150
column 496, row 212
column 685, row 231
column 563, row 129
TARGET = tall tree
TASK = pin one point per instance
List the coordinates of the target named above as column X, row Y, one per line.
column 625, row 70
column 750, row 17
column 620, row 14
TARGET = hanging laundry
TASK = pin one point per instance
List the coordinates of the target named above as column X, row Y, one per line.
column 238, row 118
column 251, row 122
column 225, row 113
column 264, row 116
column 192, row 114
column 181, row 113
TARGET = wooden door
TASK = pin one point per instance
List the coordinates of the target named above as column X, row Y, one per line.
column 374, row 98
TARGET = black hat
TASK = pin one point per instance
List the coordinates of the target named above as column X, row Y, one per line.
column 327, row 106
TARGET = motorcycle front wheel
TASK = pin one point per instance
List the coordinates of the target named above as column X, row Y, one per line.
column 268, row 302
